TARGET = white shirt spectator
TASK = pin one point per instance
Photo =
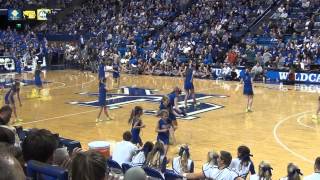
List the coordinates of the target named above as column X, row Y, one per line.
column 242, row 170
column 176, row 165
column 123, row 152
column 257, row 69
column 314, row 176
column 212, row 172
column 138, row 159
column 226, row 71
column 256, row 177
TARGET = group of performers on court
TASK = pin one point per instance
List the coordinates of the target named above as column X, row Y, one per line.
column 168, row 110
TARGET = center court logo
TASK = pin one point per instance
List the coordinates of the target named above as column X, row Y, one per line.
column 131, row 95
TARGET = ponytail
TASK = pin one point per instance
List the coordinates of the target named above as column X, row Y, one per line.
column 134, row 113
column 184, row 161
column 131, row 117
column 213, row 158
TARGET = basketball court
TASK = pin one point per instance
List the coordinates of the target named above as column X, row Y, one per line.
column 280, row 130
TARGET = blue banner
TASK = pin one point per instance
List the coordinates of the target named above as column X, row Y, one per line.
column 277, row 75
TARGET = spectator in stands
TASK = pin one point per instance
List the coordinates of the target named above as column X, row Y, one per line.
column 226, row 72
column 183, row 163
column 90, row 165
column 231, row 57
column 124, row 150
column 266, row 57
column 7, row 135
column 5, row 122
column 250, row 55
column 39, row 145
column 256, row 71
column 140, row 157
column 61, row 157
column 294, row 173
column 156, row 158
column 10, row 168
column 264, row 172
column 12, row 150
column 220, row 172
column 135, row 173
column 243, row 164
column 5, row 115
column 316, row 174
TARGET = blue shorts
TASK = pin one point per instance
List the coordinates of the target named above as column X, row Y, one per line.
column 102, row 102
column 6, row 99
column 164, row 140
column 248, row 90
column 188, row 86
column 38, row 82
column 115, row 75
column 136, row 139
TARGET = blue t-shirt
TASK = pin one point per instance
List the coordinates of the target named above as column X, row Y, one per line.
column 102, row 90
column 163, row 136
column 102, row 73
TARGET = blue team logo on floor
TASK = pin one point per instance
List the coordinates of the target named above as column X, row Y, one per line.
column 130, row 95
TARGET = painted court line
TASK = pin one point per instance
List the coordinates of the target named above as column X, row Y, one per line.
column 275, row 135
column 58, row 117
column 299, row 120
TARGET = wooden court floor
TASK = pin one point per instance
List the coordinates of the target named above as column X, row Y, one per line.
column 280, row 129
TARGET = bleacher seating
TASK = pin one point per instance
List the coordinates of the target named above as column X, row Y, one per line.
column 41, row 171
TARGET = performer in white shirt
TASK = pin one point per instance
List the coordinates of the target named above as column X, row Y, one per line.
column 294, row 173
column 243, row 164
column 183, row 163
column 220, row 172
column 124, row 150
column 264, row 172
column 316, row 174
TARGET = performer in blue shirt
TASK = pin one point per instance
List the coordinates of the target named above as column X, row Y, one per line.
column 9, row 97
column 37, row 78
column 116, row 72
column 18, row 66
column 102, row 99
column 163, row 129
column 101, row 71
column 188, row 83
column 248, row 89
column 136, row 125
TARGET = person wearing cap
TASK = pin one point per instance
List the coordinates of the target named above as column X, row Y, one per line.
column 316, row 174
column 135, row 173
column 264, row 172
column 294, row 173
column 243, row 164
column 219, row 172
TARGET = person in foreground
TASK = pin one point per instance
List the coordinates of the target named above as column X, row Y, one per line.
column 316, row 174
column 220, row 172
column 265, row 172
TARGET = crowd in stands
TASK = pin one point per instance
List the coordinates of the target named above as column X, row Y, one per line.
column 289, row 39
column 41, row 147
column 180, row 36
column 21, row 4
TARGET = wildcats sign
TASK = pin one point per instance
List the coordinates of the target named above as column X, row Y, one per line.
column 130, row 95
column 301, row 77
column 274, row 75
